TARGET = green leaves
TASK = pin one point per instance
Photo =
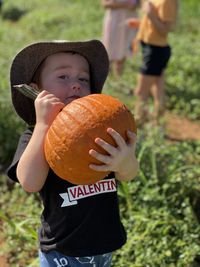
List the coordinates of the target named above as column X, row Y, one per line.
column 159, row 206
column 20, row 216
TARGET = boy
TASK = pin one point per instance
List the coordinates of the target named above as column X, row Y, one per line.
column 85, row 233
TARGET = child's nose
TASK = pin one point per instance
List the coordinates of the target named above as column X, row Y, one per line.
column 75, row 85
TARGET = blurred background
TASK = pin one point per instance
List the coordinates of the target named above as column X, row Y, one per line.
column 161, row 207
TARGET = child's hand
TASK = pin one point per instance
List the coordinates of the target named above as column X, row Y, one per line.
column 133, row 23
column 121, row 159
column 47, row 107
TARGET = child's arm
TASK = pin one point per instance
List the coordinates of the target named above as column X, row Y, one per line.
column 121, row 159
column 32, row 168
column 163, row 27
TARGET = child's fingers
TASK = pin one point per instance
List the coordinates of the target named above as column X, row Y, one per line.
column 58, row 106
column 48, row 98
column 120, row 140
column 99, row 168
column 43, row 93
column 103, row 158
column 132, row 137
column 106, row 146
column 117, row 137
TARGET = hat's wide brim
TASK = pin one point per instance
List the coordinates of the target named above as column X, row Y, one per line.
column 28, row 60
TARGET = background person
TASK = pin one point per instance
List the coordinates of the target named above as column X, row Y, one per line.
column 117, row 36
column 158, row 20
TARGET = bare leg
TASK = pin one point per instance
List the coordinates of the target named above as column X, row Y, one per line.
column 118, row 67
column 142, row 93
column 158, row 93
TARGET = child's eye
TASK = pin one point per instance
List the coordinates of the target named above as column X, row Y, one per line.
column 63, row 77
column 84, row 80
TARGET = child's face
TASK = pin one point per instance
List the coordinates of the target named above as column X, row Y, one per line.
column 66, row 75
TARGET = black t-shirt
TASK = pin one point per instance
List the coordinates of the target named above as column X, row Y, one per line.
column 77, row 220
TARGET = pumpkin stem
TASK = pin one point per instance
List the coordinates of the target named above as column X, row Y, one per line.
column 27, row 90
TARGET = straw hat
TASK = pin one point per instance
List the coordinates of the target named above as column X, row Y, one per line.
column 28, row 60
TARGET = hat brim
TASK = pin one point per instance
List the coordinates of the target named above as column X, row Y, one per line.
column 28, row 60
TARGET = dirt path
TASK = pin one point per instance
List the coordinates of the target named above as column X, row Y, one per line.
column 180, row 129
column 3, row 259
column 3, row 262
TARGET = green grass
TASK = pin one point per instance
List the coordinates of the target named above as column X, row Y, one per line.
column 160, row 208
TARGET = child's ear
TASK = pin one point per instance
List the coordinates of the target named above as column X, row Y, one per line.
column 34, row 85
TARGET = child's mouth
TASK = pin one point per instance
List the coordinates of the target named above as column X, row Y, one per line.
column 71, row 98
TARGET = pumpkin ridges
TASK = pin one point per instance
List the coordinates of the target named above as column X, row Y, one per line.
column 83, row 105
column 54, row 139
column 103, row 121
column 92, row 160
column 104, row 108
column 97, row 101
column 66, row 115
column 87, row 118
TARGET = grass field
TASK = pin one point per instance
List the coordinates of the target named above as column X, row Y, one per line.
column 160, row 208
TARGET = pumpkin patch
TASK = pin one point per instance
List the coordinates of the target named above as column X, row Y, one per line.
column 74, row 130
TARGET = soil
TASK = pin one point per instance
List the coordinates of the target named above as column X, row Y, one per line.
column 180, row 129
column 177, row 129
column 3, row 262
column 3, row 258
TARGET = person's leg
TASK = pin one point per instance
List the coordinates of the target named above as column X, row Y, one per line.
column 162, row 57
column 118, row 67
column 142, row 93
column 158, row 93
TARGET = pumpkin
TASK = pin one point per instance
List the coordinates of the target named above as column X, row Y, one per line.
column 74, row 130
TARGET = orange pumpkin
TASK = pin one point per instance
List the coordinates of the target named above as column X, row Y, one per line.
column 74, row 130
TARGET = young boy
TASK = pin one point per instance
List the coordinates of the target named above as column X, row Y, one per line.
column 83, row 234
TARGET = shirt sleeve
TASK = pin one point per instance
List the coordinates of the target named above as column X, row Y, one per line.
column 23, row 141
column 168, row 10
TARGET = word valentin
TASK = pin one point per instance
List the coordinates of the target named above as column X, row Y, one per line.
column 82, row 191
